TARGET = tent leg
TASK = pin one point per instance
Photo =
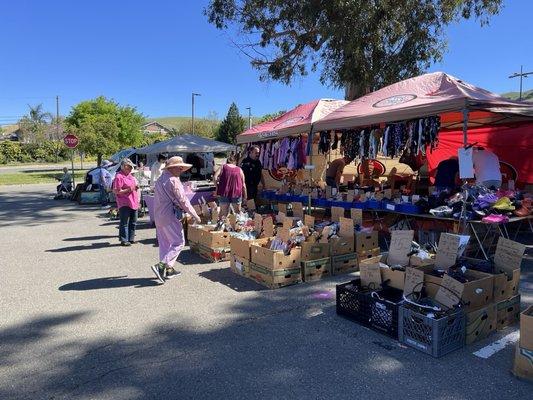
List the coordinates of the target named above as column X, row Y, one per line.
column 462, row 217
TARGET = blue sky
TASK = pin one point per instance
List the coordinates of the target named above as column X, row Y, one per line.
column 154, row 54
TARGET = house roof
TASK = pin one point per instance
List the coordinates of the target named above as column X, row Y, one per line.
column 154, row 123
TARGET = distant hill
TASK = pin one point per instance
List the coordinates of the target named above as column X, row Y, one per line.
column 526, row 96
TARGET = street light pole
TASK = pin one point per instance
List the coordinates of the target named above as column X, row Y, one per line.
column 249, row 117
column 521, row 75
column 192, row 122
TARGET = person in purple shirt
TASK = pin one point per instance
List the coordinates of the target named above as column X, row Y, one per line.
column 125, row 188
column 170, row 206
column 229, row 180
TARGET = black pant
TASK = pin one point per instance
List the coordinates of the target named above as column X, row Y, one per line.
column 128, row 221
column 251, row 191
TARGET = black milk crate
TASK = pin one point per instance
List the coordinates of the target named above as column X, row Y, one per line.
column 377, row 310
column 433, row 336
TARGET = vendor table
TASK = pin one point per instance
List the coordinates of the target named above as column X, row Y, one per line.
column 485, row 234
column 194, row 198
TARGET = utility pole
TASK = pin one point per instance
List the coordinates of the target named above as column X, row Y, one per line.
column 192, row 124
column 57, row 124
column 249, row 117
column 522, row 75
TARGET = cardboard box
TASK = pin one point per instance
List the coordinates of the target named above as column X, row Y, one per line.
column 365, row 242
column 239, row 265
column 393, row 278
column 342, row 245
column 274, row 279
column 523, row 363
column 508, row 312
column 526, row 329
column 316, row 269
column 193, row 233
column 506, row 286
column 476, row 293
column 363, row 255
column 344, row 264
column 213, row 240
column 507, row 262
column 274, row 259
column 314, row 251
column 241, row 247
column 480, row 323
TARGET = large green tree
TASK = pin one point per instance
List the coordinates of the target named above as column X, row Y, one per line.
column 359, row 45
column 231, row 126
column 105, row 126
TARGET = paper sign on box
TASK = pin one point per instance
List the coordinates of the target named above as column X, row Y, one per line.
column 414, row 280
column 450, row 293
column 508, row 256
column 400, row 247
column 450, row 247
column 370, row 275
column 346, row 227
column 283, row 234
column 287, row 222
column 258, row 223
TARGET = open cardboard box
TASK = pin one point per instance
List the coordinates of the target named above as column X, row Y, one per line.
column 241, row 247
column 480, row 323
column 526, row 328
column 314, row 251
column 391, row 277
column 476, row 293
column 366, row 242
column 274, row 259
column 213, row 239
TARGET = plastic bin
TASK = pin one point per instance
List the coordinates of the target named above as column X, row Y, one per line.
column 377, row 310
column 432, row 336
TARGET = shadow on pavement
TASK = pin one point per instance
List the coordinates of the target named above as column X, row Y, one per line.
column 110, row 282
column 92, row 246
column 82, row 238
column 230, row 279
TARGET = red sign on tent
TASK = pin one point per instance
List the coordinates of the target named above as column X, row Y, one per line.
column 71, row 141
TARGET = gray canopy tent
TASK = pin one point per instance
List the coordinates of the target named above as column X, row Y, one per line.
column 187, row 143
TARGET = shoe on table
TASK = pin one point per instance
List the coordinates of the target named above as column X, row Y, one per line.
column 171, row 273
column 124, row 243
column 159, row 271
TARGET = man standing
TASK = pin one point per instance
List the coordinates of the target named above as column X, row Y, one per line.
column 170, row 206
column 157, row 169
column 487, row 168
column 334, row 171
column 253, row 172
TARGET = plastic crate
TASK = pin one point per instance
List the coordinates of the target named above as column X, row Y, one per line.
column 377, row 310
column 432, row 336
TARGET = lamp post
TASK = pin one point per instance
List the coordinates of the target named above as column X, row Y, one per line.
column 249, row 117
column 192, row 123
column 521, row 75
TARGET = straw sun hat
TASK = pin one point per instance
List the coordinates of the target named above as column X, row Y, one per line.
column 177, row 161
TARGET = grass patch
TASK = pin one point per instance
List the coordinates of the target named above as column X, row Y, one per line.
column 46, row 176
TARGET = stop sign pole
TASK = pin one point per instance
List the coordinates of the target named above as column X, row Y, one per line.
column 71, row 141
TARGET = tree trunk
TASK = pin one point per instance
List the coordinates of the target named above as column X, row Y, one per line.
column 99, row 159
column 354, row 90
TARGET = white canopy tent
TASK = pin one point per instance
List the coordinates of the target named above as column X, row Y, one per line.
column 187, row 143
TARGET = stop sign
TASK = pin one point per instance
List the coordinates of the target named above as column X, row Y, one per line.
column 71, row 141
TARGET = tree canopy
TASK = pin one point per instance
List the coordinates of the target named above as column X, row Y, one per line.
column 231, row 126
column 105, row 126
column 360, row 45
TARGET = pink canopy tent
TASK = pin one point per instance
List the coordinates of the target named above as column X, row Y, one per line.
column 296, row 121
column 430, row 94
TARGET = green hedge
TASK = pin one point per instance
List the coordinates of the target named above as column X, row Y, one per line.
column 32, row 152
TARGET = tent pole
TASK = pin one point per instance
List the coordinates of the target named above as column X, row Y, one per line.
column 462, row 219
column 310, row 138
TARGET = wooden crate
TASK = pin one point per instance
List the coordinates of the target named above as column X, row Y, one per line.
column 275, row 279
column 344, row 264
column 213, row 255
column 239, row 265
column 316, row 269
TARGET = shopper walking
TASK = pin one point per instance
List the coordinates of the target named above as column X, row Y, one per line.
column 229, row 180
column 170, row 206
column 105, row 182
column 125, row 188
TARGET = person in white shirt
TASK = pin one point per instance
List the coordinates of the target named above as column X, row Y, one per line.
column 105, row 180
column 487, row 168
column 157, row 169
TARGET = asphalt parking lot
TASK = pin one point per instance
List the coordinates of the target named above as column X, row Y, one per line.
column 83, row 318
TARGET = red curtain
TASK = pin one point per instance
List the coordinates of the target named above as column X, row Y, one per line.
column 512, row 144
